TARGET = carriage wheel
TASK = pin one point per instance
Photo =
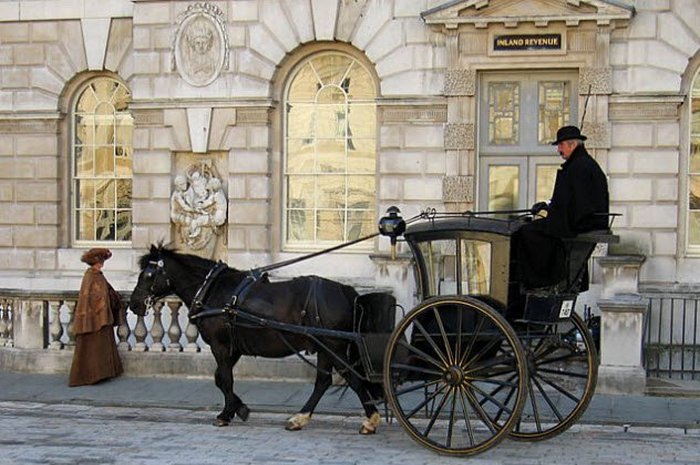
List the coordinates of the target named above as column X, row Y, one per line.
column 455, row 375
column 563, row 369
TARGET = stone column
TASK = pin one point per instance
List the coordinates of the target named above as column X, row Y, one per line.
column 622, row 326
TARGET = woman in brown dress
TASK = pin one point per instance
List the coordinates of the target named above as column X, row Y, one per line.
column 98, row 310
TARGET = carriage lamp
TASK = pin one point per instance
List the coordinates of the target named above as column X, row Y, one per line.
column 392, row 225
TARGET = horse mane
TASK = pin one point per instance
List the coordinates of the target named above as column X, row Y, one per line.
column 160, row 250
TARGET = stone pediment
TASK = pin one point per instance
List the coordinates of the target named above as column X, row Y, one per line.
column 481, row 13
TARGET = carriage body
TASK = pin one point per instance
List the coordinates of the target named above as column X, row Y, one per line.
column 481, row 358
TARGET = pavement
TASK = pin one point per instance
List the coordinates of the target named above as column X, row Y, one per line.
column 201, row 395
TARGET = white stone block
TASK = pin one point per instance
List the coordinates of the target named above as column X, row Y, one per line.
column 630, row 190
column 71, row 37
column 402, row 162
column 416, row 30
column 423, row 83
column 95, row 34
column 664, row 243
column 258, row 187
column 618, row 162
column 250, row 212
column 689, row 12
column 408, row 9
column 151, row 13
column 9, row 11
column 198, row 122
column 399, row 61
column 258, row 137
column 153, row 162
column 663, row 55
column 652, row 5
column 301, row 18
column 35, row 100
column 243, row 10
column 425, row 136
column 254, row 65
column 427, row 190
column 152, row 211
column 654, row 216
column 386, row 41
column 632, row 135
column 655, row 162
column 675, row 32
column 274, row 17
column 661, row 269
column 666, row 189
column 390, row 188
column 146, row 62
column 436, row 162
column 325, row 16
column 618, row 54
column 248, row 161
column 264, row 43
column 620, row 80
column 390, row 136
column 237, row 187
column 642, row 26
column 667, row 135
column 377, row 15
column 109, row 9
column 651, row 79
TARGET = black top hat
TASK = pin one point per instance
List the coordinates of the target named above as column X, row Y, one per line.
column 568, row 133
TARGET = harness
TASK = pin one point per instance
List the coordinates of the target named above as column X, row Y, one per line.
column 199, row 310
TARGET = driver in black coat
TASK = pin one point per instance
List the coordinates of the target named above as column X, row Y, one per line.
column 579, row 203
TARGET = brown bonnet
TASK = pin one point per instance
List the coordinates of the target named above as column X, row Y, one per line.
column 96, row 255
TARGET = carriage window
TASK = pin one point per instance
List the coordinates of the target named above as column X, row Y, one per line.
column 330, row 152
column 102, row 163
column 441, row 261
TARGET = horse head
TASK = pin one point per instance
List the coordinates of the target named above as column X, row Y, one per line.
column 153, row 282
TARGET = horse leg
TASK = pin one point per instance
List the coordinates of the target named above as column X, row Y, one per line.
column 323, row 382
column 224, row 381
column 370, row 423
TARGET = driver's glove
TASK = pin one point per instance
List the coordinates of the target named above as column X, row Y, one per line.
column 537, row 207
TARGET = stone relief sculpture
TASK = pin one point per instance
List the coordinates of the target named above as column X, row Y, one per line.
column 198, row 208
column 200, row 45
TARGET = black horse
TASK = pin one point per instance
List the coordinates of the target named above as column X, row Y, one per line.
column 307, row 301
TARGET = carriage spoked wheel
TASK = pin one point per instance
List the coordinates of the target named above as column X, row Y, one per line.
column 562, row 373
column 455, row 375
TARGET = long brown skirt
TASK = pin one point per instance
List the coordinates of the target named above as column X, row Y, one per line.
column 95, row 358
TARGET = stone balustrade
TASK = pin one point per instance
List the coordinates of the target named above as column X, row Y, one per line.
column 36, row 335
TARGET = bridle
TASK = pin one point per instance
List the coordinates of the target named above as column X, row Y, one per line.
column 154, row 269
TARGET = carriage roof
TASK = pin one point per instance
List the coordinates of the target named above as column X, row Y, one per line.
column 463, row 223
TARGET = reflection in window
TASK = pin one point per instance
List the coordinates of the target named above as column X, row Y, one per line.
column 694, row 166
column 504, row 185
column 444, row 278
column 544, row 182
column 504, row 110
column 330, row 151
column 553, row 111
column 102, row 162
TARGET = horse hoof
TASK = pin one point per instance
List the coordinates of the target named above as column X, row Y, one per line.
column 369, row 426
column 292, row 427
column 243, row 412
column 365, row 431
column 298, row 421
column 220, row 422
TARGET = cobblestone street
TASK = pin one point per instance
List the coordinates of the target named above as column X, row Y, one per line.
column 35, row 433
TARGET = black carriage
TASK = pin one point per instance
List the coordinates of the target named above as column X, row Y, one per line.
column 480, row 357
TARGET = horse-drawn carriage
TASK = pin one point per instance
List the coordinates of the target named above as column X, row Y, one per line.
column 479, row 359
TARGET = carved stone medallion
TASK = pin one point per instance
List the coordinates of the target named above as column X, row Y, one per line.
column 200, row 49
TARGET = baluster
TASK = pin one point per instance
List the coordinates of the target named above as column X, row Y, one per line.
column 157, row 330
column 123, row 332
column 191, row 333
column 3, row 322
column 10, row 309
column 71, row 323
column 174, row 331
column 55, row 327
column 140, row 333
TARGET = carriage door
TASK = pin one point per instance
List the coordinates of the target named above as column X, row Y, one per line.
column 519, row 114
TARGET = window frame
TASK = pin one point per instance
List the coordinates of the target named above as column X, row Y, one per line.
column 692, row 250
column 73, row 207
column 294, row 72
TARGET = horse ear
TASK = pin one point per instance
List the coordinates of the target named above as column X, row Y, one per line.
column 154, row 248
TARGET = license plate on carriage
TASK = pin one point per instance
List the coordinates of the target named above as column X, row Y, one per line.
column 567, row 306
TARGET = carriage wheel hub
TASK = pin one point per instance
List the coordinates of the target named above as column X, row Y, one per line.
column 454, row 375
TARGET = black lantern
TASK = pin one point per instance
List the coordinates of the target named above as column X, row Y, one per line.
column 392, row 225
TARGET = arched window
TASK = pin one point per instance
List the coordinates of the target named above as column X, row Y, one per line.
column 102, row 150
column 330, row 152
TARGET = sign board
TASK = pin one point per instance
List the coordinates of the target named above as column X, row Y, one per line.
column 526, row 42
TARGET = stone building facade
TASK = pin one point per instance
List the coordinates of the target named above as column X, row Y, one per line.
column 419, row 97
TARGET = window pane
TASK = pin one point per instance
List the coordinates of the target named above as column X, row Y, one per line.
column 503, row 187
column 330, row 226
column 546, row 175
column 476, row 267
column 102, row 162
column 553, row 111
column 330, row 138
column 440, row 266
column 694, row 228
column 504, row 108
